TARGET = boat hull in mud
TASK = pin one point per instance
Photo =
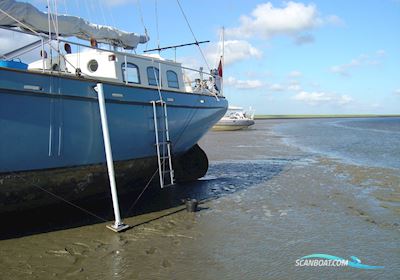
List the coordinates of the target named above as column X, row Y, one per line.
column 51, row 134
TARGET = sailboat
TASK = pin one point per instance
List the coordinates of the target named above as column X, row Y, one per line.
column 61, row 113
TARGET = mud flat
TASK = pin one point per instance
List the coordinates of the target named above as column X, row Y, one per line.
column 264, row 204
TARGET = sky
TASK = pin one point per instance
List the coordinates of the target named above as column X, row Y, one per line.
column 281, row 57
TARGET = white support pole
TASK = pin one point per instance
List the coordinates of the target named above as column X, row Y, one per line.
column 118, row 224
column 157, row 143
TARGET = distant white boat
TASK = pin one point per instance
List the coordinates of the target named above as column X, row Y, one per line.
column 236, row 118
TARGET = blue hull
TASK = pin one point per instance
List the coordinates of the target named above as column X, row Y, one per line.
column 58, row 123
column 52, row 122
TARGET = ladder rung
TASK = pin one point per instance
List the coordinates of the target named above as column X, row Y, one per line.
column 161, row 126
column 164, row 143
column 159, row 117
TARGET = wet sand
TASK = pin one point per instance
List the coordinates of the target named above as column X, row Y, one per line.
column 263, row 205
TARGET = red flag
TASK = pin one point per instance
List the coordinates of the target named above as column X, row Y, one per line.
column 220, row 68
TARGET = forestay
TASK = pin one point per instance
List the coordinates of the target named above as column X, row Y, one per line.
column 67, row 25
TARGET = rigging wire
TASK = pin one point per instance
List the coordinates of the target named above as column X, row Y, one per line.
column 102, row 13
column 194, row 36
column 94, row 10
column 89, row 17
column 78, row 6
column 111, row 15
column 142, row 21
column 157, row 27
column 65, row 7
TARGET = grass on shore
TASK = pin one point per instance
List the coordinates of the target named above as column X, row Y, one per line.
column 261, row 117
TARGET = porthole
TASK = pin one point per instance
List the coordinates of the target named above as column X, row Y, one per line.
column 93, row 65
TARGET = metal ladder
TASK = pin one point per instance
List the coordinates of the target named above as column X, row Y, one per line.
column 163, row 145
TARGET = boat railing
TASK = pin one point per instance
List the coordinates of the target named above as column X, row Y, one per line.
column 195, row 80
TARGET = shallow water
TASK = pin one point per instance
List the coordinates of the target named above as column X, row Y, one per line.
column 264, row 204
column 369, row 141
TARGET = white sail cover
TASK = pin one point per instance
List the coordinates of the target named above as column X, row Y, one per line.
column 67, row 25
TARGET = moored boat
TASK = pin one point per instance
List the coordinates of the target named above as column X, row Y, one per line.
column 50, row 122
column 235, row 119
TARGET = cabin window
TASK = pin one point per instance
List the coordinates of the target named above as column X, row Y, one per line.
column 130, row 73
column 172, row 78
column 153, row 75
column 93, row 65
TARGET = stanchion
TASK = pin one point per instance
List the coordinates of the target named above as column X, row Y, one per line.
column 118, row 224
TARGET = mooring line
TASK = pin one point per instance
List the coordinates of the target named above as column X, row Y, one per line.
column 142, row 192
column 61, row 198
column 83, row 209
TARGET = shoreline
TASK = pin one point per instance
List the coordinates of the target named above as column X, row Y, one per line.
column 278, row 117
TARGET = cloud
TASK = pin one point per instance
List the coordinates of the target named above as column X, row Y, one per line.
column 290, row 84
column 344, row 99
column 118, row 2
column 304, row 39
column 266, row 21
column 397, row 91
column 344, row 69
column 277, row 87
column 380, row 53
column 376, row 105
column 361, row 61
column 234, row 51
column 295, row 74
column 243, row 84
column 294, row 86
column 318, row 98
column 334, row 20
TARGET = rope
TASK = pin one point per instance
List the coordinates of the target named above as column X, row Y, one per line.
column 142, row 21
column 60, row 198
column 194, row 36
column 142, row 192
